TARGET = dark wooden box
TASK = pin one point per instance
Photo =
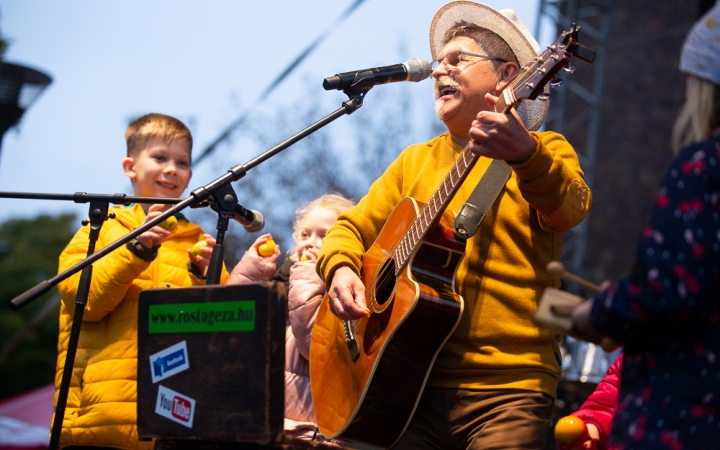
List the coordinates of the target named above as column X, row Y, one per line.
column 211, row 364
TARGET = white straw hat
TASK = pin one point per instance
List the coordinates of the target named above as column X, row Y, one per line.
column 504, row 23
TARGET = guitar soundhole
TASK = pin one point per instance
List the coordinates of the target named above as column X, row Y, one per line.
column 375, row 327
column 385, row 282
column 378, row 321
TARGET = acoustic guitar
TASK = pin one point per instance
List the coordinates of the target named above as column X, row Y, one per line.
column 367, row 375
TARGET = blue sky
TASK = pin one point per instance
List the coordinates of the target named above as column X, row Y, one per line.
column 202, row 62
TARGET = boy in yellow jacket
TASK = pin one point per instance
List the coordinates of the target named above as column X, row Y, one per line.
column 101, row 404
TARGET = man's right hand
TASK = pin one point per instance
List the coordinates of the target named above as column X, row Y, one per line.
column 347, row 295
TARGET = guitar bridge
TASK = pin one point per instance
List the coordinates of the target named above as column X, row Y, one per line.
column 351, row 341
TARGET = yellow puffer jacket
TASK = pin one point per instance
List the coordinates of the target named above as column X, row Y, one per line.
column 101, row 406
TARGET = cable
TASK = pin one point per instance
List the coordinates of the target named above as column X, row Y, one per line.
column 276, row 82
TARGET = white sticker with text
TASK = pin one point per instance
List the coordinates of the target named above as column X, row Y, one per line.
column 175, row 406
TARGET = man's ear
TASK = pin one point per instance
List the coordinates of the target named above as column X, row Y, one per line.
column 129, row 167
column 506, row 74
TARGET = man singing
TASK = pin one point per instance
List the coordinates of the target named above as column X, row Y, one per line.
column 493, row 382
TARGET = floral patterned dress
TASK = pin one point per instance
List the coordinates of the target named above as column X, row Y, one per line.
column 667, row 314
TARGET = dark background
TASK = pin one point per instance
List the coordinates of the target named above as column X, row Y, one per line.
column 643, row 91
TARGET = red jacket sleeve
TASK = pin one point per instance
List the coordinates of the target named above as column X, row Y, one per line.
column 599, row 408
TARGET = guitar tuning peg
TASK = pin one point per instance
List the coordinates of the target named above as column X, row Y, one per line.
column 569, row 69
column 543, row 97
column 555, row 82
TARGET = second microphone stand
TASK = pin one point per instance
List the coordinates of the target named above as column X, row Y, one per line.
column 225, row 201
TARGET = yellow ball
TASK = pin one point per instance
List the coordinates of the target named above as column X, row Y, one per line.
column 267, row 248
column 199, row 245
column 169, row 224
column 571, row 431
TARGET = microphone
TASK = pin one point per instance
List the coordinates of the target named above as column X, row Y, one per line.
column 412, row 70
column 250, row 219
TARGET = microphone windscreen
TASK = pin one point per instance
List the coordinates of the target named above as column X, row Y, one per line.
column 258, row 224
column 417, row 69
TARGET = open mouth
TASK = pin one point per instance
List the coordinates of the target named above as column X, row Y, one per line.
column 447, row 90
column 166, row 185
column 446, row 86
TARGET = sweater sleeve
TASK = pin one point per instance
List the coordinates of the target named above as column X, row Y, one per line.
column 112, row 275
column 250, row 269
column 552, row 182
column 357, row 228
column 305, row 294
column 673, row 290
column 599, row 408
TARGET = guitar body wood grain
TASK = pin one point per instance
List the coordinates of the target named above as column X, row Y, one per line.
column 372, row 399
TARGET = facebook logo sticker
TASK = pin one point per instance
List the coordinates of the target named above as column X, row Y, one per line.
column 168, row 362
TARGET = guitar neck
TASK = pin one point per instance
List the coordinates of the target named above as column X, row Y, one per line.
column 434, row 208
column 442, row 196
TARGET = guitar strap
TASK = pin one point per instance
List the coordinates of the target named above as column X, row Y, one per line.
column 481, row 199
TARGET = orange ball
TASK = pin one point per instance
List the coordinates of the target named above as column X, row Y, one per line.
column 267, row 248
column 197, row 248
column 169, row 224
column 571, row 431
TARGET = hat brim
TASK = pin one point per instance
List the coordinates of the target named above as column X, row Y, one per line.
column 532, row 112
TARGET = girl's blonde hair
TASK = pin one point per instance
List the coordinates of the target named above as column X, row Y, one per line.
column 700, row 114
column 333, row 202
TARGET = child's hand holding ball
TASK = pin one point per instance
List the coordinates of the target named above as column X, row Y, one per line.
column 267, row 248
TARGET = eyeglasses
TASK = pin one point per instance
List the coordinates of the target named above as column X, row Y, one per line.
column 453, row 59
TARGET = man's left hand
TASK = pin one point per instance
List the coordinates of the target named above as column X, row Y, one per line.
column 501, row 136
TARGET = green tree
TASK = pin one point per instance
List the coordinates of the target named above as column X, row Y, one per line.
column 29, row 251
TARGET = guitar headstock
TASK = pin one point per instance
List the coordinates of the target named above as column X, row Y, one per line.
column 541, row 70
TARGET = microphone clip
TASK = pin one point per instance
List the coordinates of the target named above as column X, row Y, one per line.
column 361, row 84
column 224, row 202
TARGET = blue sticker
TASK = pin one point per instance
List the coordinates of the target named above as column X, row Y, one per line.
column 168, row 362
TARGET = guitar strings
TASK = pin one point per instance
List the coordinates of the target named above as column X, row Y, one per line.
column 409, row 241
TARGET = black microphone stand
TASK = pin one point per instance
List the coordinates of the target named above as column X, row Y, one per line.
column 218, row 191
column 225, row 201
column 97, row 215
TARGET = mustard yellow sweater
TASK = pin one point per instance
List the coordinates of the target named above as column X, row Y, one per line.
column 496, row 345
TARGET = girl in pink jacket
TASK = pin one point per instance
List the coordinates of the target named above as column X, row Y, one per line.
column 305, row 293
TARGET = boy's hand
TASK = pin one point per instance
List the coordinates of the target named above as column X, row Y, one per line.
column 153, row 237
column 202, row 261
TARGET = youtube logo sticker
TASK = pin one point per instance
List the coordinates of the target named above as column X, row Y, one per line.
column 175, row 406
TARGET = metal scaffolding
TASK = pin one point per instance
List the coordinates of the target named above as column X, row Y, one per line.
column 575, row 109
